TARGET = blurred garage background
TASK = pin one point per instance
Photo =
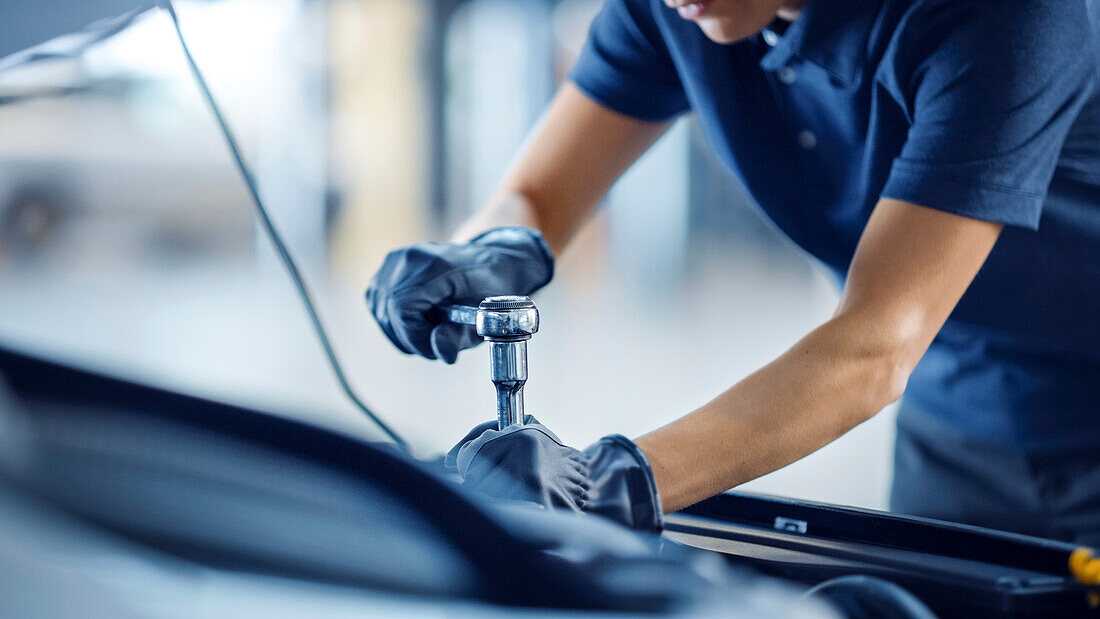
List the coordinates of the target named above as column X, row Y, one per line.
column 128, row 243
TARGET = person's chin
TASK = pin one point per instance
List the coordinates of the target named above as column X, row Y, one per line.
column 725, row 30
column 729, row 21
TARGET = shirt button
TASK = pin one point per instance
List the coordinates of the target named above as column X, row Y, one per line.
column 807, row 140
column 787, row 75
column 770, row 37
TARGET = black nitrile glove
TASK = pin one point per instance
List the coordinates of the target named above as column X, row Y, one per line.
column 612, row 478
column 623, row 487
column 521, row 462
column 415, row 280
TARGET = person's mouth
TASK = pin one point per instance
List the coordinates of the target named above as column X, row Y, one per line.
column 691, row 10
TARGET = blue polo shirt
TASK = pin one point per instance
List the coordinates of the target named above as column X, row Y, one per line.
column 984, row 108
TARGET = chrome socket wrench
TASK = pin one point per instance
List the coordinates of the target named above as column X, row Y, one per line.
column 506, row 323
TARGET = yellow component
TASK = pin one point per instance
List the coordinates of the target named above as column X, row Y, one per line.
column 1085, row 566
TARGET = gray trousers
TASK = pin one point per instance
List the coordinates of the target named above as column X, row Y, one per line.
column 940, row 474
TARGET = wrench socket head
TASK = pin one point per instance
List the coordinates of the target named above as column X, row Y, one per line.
column 507, row 319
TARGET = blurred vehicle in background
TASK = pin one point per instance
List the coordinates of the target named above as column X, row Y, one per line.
column 100, row 172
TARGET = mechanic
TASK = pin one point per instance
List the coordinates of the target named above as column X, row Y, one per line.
column 942, row 157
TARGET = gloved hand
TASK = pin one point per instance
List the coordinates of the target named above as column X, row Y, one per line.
column 416, row 279
column 612, row 478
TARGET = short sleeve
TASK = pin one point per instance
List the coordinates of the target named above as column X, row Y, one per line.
column 625, row 65
column 992, row 89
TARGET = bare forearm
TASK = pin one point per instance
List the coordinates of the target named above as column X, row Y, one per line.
column 822, row 387
column 574, row 156
column 910, row 269
column 512, row 208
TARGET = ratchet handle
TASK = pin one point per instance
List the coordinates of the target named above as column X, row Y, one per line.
column 458, row 314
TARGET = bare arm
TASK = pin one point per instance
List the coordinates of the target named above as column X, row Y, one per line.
column 573, row 158
column 909, row 271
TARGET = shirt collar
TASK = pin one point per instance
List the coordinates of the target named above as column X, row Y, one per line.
column 829, row 33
